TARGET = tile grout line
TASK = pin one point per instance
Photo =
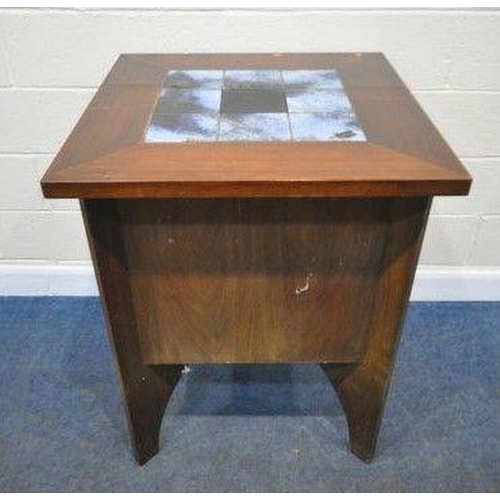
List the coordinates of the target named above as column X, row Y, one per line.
column 219, row 117
column 30, row 88
column 287, row 110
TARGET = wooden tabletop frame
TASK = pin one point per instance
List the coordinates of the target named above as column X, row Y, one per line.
column 106, row 156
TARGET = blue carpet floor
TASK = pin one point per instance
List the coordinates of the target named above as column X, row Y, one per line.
column 267, row 428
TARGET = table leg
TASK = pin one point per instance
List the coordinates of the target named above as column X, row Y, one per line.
column 362, row 392
column 362, row 384
column 362, row 387
column 146, row 389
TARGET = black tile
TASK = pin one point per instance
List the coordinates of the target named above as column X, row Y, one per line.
column 253, row 101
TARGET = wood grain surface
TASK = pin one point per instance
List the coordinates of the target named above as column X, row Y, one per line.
column 362, row 387
column 106, row 157
column 145, row 389
column 252, row 280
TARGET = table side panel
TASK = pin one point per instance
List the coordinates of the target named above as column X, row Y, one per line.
column 244, row 280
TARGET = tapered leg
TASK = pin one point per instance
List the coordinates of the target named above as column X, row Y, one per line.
column 146, row 396
column 362, row 391
column 146, row 389
column 362, row 387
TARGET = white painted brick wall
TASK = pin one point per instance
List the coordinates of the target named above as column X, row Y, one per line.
column 51, row 61
column 470, row 121
column 38, row 120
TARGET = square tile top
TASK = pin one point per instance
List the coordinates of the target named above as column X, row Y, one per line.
column 253, row 105
column 254, row 125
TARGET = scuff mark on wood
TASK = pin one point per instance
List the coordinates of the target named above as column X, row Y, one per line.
column 304, row 288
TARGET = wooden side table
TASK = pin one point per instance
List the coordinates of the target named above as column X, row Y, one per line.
column 254, row 208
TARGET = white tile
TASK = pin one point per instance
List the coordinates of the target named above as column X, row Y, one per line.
column 486, row 251
column 182, row 128
column 175, row 100
column 207, row 79
column 254, row 127
column 322, row 79
column 248, row 79
column 318, row 100
column 325, row 127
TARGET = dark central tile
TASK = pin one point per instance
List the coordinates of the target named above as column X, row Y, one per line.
column 253, row 101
